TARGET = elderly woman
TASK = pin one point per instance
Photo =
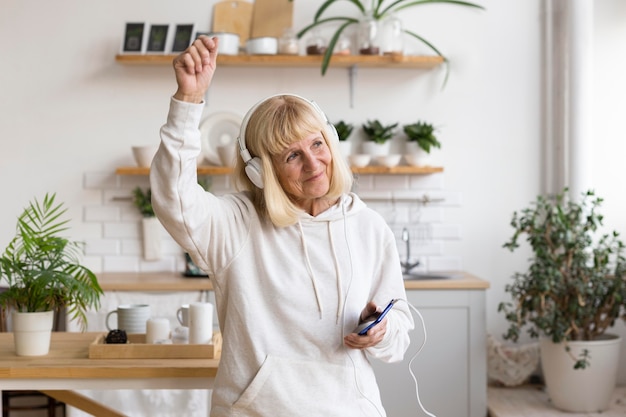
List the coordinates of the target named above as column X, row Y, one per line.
column 296, row 260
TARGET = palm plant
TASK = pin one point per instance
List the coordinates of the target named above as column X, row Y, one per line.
column 379, row 9
column 377, row 132
column 42, row 269
column 423, row 133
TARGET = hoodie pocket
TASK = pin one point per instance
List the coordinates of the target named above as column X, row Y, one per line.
column 288, row 386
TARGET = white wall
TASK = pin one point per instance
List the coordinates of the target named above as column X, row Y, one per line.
column 69, row 112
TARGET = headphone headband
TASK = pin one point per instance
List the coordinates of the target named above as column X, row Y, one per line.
column 254, row 166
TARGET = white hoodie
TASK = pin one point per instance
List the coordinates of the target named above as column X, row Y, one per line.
column 285, row 297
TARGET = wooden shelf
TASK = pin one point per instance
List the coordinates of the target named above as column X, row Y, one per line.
column 304, row 61
column 379, row 170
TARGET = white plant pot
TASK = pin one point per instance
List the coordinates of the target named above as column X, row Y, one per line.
column 32, row 332
column 586, row 390
column 415, row 155
column 345, row 147
column 151, row 227
column 376, row 149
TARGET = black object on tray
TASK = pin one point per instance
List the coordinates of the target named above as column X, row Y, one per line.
column 116, row 337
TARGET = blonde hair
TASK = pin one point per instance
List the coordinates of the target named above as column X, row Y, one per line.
column 275, row 124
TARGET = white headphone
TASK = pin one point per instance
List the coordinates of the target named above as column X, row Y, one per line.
column 254, row 166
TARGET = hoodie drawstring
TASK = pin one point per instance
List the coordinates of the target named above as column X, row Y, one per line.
column 310, row 269
column 318, row 299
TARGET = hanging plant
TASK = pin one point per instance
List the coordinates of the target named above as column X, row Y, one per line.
column 379, row 9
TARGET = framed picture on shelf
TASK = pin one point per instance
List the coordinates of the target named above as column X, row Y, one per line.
column 134, row 37
column 182, row 37
column 157, row 39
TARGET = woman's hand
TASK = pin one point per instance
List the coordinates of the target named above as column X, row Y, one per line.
column 194, row 69
column 374, row 335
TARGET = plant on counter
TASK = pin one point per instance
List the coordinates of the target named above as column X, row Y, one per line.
column 377, row 132
column 344, row 130
column 423, row 133
column 379, row 9
column 43, row 269
column 574, row 288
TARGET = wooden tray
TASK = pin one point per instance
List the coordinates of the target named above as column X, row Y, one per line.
column 137, row 348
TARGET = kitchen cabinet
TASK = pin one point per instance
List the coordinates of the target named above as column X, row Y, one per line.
column 451, row 370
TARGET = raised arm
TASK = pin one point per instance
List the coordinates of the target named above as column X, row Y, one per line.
column 194, row 69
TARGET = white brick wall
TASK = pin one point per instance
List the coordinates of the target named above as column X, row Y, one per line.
column 418, row 202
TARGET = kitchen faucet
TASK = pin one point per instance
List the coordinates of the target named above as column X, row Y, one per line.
column 407, row 265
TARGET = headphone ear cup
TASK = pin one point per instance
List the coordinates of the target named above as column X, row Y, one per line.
column 254, row 171
column 333, row 130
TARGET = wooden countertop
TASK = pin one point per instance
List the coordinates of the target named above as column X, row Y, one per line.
column 171, row 281
column 69, row 359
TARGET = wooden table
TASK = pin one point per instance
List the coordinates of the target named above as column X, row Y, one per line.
column 533, row 401
column 68, row 367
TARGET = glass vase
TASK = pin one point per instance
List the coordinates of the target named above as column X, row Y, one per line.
column 392, row 36
column 368, row 42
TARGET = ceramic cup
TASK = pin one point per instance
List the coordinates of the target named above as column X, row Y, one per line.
column 182, row 314
column 131, row 318
column 227, row 154
column 200, row 323
column 157, row 330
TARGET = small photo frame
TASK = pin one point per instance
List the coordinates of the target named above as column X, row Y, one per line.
column 134, row 37
column 157, row 39
column 182, row 37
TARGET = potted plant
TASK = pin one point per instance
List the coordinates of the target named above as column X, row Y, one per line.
column 378, row 136
column 572, row 293
column 44, row 275
column 344, row 130
column 420, row 140
column 150, row 225
column 377, row 11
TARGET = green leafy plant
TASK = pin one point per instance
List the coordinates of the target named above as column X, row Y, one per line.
column 43, row 269
column 344, row 130
column 143, row 201
column 575, row 286
column 423, row 133
column 377, row 132
column 379, row 10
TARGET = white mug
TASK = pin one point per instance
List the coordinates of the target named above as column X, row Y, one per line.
column 131, row 318
column 200, row 323
column 157, row 330
column 182, row 314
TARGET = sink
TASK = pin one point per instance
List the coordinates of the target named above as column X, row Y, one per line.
column 415, row 276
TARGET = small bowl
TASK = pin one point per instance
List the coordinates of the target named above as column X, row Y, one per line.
column 416, row 159
column 389, row 161
column 144, row 154
column 228, row 43
column 262, row 46
column 360, row 160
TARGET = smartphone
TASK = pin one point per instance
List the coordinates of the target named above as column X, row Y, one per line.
column 364, row 327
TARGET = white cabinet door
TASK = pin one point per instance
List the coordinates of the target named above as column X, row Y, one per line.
column 451, row 369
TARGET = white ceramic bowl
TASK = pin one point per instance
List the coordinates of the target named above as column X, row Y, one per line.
column 262, row 46
column 144, row 154
column 413, row 159
column 389, row 161
column 360, row 160
column 228, row 43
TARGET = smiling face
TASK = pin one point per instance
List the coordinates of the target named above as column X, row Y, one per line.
column 304, row 170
